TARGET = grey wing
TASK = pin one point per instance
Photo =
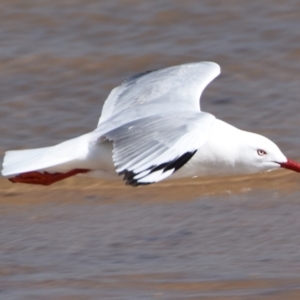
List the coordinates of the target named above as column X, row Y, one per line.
column 150, row 149
column 175, row 89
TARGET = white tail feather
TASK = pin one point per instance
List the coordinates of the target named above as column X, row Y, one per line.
column 67, row 155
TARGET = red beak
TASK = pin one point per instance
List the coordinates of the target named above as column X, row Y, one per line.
column 291, row 165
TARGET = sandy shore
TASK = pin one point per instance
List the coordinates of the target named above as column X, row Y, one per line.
column 112, row 190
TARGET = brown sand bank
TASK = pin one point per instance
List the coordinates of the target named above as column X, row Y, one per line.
column 181, row 189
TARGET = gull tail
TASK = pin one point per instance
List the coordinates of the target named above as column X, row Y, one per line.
column 48, row 165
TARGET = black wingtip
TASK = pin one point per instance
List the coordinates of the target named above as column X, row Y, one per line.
column 174, row 164
column 129, row 178
column 133, row 78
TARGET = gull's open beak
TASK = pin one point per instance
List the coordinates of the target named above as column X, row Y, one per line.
column 291, row 165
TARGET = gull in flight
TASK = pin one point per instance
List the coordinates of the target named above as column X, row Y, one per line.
column 152, row 128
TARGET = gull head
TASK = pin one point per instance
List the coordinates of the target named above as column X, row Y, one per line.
column 259, row 154
column 231, row 151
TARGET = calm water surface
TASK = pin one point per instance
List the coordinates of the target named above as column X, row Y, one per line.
column 196, row 239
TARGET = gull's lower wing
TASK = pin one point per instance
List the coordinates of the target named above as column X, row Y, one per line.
column 176, row 88
column 152, row 148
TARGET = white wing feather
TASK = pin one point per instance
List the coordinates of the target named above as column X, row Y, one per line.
column 174, row 89
column 152, row 148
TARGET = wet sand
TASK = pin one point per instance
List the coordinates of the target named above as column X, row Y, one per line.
column 211, row 238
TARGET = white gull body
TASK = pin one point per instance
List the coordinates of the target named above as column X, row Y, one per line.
column 152, row 128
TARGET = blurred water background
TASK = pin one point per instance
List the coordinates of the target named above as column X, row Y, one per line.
column 235, row 238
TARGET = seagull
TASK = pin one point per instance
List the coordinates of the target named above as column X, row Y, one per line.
column 152, row 128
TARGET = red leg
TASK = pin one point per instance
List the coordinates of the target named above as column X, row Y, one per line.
column 44, row 178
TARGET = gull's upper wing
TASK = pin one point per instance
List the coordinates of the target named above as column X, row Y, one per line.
column 150, row 149
column 174, row 89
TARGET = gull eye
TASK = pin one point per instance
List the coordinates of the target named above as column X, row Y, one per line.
column 261, row 152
